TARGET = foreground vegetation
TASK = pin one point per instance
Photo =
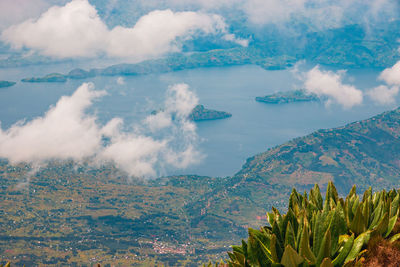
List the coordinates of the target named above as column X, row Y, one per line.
column 313, row 232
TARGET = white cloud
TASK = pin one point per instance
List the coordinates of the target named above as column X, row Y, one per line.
column 68, row 132
column 233, row 38
column 386, row 94
column 391, row 75
column 205, row 4
column 383, row 94
column 158, row 121
column 76, row 30
column 16, row 11
column 64, row 132
column 272, row 11
column 73, row 30
column 181, row 101
column 120, row 80
column 329, row 84
column 138, row 154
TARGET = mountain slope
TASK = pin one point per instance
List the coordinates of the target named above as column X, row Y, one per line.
column 365, row 153
column 99, row 215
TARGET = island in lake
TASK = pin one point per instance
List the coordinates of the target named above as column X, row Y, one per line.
column 200, row 113
column 288, row 97
column 52, row 77
column 6, row 84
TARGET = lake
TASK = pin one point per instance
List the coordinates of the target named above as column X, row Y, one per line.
column 253, row 128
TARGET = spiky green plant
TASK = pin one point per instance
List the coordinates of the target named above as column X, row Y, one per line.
column 315, row 232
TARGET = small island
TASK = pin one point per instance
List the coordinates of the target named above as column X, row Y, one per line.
column 288, row 97
column 200, row 113
column 4, row 84
column 53, row 77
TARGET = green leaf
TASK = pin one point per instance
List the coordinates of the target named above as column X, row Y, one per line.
column 355, row 200
column 358, row 226
column 395, row 206
column 331, row 193
column 290, row 257
column 277, row 232
column 240, row 258
column 367, row 194
column 264, row 248
column 315, row 197
column 394, row 238
column 294, row 203
column 357, row 246
column 353, row 191
column 392, row 223
column 237, row 249
column 290, row 238
column 319, row 228
column 305, row 249
column 244, row 248
column 338, row 261
column 366, row 212
column 270, row 218
column 293, row 219
column 382, row 226
column 338, row 227
column 274, row 248
column 255, row 253
column 376, row 215
column 325, row 249
column 232, row 256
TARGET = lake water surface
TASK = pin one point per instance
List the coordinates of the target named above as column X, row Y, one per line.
column 253, row 128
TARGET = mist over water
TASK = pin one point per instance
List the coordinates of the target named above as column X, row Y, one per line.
column 253, row 128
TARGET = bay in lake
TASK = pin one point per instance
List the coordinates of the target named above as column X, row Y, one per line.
column 253, row 128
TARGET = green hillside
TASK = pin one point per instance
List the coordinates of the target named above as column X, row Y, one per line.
column 76, row 215
column 363, row 153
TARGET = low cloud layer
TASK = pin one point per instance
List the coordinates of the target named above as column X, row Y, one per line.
column 386, row 94
column 391, row 76
column 68, row 132
column 76, row 30
column 329, row 84
column 16, row 11
column 383, row 94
